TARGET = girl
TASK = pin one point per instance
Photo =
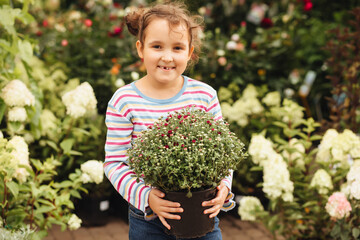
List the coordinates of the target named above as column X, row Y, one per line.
column 168, row 38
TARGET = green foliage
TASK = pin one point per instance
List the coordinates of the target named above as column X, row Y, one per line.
column 188, row 150
column 38, row 201
column 39, row 193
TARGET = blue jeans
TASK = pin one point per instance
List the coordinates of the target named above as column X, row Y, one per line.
column 140, row 229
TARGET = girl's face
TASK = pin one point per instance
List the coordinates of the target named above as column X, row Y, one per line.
column 165, row 51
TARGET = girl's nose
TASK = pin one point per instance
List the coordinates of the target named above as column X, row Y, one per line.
column 167, row 58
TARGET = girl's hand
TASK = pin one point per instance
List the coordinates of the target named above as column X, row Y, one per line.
column 217, row 202
column 163, row 208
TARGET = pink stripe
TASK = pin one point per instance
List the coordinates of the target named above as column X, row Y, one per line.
column 121, row 179
column 196, row 92
column 212, row 107
column 125, row 95
column 130, row 188
column 115, row 156
column 118, row 143
column 161, row 111
column 108, row 163
column 114, row 114
column 110, row 128
column 117, row 168
column 139, row 204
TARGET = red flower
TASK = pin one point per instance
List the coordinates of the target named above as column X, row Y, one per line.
column 170, row 132
column 243, row 24
column 45, row 23
column 88, row 22
column 179, row 116
column 167, row 119
column 219, row 132
column 308, row 6
column 166, row 146
column 163, row 135
column 39, row 33
column 194, row 141
column 213, row 129
column 166, row 124
column 182, row 145
column 117, row 5
column 266, row 23
column 117, row 30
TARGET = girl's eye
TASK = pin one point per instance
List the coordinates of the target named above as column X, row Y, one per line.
column 178, row 48
column 156, row 46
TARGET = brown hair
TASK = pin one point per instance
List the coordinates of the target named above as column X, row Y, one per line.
column 175, row 13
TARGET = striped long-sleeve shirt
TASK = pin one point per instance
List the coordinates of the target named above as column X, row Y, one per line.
column 129, row 112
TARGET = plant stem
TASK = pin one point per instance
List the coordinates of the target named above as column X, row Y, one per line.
column 4, row 201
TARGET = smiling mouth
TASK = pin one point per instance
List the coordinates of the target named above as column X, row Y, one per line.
column 166, row 68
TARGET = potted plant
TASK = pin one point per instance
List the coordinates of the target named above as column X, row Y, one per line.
column 187, row 154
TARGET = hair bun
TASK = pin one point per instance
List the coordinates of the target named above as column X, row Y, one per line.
column 132, row 21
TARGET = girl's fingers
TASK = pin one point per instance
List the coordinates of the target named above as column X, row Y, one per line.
column 158, row 193
column 163, row 221
column 174, row 210
column 213, row 209
column 214, row 214
column 170, row 216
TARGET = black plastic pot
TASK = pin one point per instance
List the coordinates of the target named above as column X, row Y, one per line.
column 93, row 211
column 194, row 223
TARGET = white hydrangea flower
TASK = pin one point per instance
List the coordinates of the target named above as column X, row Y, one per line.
column 276, row 177
column 249, row 205
column 296, row 156
column 326, row 144
column 48, row 122
column 1, row 134
column 272, row 99
column 80, row 100
column 250, row 92
column 236, row 113
column 74, row 222
column 85, row 178
column 345, row 188
column 16, row 94
column 21, row 174
column 354, row 172
column 322, row 181
column 94, row 169
column 355, row 190
column 253, row 106
column 20, row 153
column 17, row 114
column 261, row 149
column 293, row 111
column 20, row 150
